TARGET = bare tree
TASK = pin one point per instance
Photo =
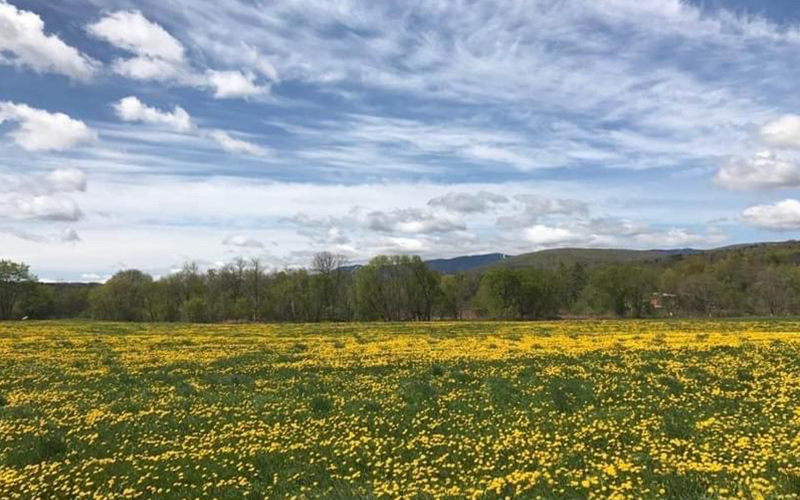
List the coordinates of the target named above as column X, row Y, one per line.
column 327, row 262
column 256, row 270
column 327, row 268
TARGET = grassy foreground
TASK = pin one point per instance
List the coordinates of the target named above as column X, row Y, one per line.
column 637, row 410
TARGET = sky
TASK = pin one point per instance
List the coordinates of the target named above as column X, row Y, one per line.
column 145, row 134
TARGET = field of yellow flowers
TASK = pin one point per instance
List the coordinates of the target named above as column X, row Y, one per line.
column 634, row 410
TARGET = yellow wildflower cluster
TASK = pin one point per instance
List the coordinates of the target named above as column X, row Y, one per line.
column 573, row 410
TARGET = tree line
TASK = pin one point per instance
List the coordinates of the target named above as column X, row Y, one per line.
column 404, row 288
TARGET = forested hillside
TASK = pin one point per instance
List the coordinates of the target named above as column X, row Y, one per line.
column 759, row 279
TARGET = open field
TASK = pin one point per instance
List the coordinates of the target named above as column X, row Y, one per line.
column 637, row 410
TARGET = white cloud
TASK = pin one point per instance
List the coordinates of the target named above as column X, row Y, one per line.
column 42, row 197
column 65, row 180
column 54, row 207
column 70, row 235
column 546, row 236
column 131, row 31
column 468, row 203
column 158, row 56
column 228, row 84
column 783, row 132
column 781, row 216
column 40, row 130
column 23, row 37
column 502, row 155
column 535, row 207
column 233, row 145
column 146, row 68
column 239, row 240
column 131, row 109
column 676, row 237
column 412, row 221
column 765, row 170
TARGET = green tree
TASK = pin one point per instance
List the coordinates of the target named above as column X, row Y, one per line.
column 38, row 303
column 543, row 293
column 621, row 289
column 500, row 294
column 456, row 295
column 123, row 298
column 16, row 282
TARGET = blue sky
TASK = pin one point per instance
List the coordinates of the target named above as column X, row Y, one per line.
column 145, row 134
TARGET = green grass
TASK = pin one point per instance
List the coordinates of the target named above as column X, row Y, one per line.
column 399, row 411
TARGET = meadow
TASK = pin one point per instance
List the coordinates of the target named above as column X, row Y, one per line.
column 634, row 410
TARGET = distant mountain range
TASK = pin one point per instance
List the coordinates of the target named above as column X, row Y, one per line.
column 592, row 257
column 466, row 263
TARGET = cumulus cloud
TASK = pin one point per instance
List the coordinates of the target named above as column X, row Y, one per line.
column 234, row 145
column 40, row 130
column 535, row 207
column 42, row 197
column 131, row 109
column 783, row 132
column 781, row 216
column 131, row 31
column 43, row 207
column 228, row 84
column 157, row 55
column 677, row 237
column 145, row 68
column 242, row 241
column 64, row 180
column 412, row 221
column 546, row 236
column 468, row 203
column 324, row 230
column 612, row 232
column 765, row 170
column 23, row 38
column 557, row 222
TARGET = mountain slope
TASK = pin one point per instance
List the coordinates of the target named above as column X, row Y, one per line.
column 548, row 259
column 465, row 263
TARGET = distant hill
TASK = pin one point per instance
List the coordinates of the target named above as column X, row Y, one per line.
column 466, row 263
column 454, row 265
column 547, row 259
column 590, row 257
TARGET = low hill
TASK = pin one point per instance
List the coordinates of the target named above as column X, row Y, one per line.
column 547, row 259
column 465, row 263
column 784, row 251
